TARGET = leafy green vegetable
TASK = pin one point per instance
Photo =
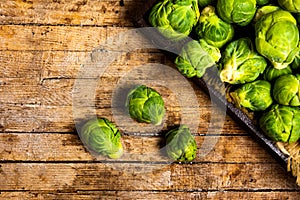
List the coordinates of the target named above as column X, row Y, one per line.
column 212, row 29
column 240, row 63
column 277, row 37
column 196, row 57
column 290, row 5
column 281, row 123
column 240, row 12
column 101, row 136
column 181, row 144
column 255, row 96
column 286, row 90
column 271, row 73
column 175, row 19
column 145, row 105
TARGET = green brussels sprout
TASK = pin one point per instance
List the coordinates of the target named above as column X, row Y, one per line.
column 277, row 37
column 290, row 5
column 255, row 96
column 180, row 144
column 240, row 63
column 271, row 73
column 145, row 105
column 196, row 57
column 240, row 12
column 175, row 19
column 286, row 90
column 204, row 3
column 101, row 136
column 281, row 123
column 212, row 29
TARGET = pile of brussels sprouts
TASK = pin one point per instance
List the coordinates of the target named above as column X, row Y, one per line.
column 144, row 105
column 255, row 46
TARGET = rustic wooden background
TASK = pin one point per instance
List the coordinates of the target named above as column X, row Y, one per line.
column 42, row 46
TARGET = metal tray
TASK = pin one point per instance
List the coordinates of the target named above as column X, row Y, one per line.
column 140, row 19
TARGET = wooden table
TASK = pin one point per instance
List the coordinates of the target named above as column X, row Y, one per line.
column 43, row 46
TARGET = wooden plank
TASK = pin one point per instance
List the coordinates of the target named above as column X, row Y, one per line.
column 71, row 38
column 128, row 195
column 66, row 64
column 68, row 148
column 69, row 12
column 67, row 38
column 143, row 176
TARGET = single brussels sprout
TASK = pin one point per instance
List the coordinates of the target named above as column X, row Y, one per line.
column 286, row 90
column 271, row 73
column 196, row 57
column 262, row 2
column 240, row 12
column 101, row 136
column 240, row 63
column 175, row 19
column 255, row 96
column 213, row 29
column 281, row 123
column 180, row 144
column 277, row 37
column 145, row 105
column 290, row 5
column 204, row 3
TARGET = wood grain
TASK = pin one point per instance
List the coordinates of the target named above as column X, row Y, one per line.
column 143, row 176
column 69, row 12
column 127, row 195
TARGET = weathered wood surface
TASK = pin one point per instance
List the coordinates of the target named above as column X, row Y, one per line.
column 127, row 195
column 42, row 47
column 69, row 12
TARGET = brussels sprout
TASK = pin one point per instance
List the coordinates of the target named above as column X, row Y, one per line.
column 204, row 3
column 212, row 29
column 255, row 96
column 271, row 73
column 277, row 37
column 290, row 5
column 175, row 19
column 196, row 57
column 240, row 63
column 286, row 90
column 101, row 136
column 180, row 144
column 145, row 105
column 240, row 12
column 281, row 123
